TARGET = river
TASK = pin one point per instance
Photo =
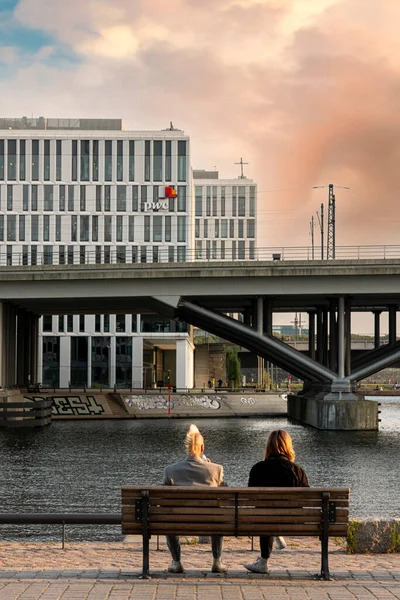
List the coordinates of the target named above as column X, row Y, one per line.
column 79, row 466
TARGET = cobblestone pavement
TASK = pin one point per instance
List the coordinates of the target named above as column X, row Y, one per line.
column 83, row 571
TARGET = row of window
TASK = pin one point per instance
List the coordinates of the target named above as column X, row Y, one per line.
column 87, row 159
column 72, row 255
column 219, row 228
column 208, row 202
column 213, row 250
column 112, row 323
column 107, row 228
column 107, row 198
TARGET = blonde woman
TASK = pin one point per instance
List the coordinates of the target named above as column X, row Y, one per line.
column 195, row 470
column 278, row 469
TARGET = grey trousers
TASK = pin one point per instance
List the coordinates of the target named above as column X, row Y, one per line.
column 174, row 546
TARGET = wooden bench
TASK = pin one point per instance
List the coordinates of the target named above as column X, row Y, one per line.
column 229, row 511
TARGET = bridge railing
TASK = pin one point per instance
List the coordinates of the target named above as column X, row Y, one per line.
column 85, row 255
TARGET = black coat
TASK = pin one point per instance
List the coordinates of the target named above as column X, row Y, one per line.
column 277, row 471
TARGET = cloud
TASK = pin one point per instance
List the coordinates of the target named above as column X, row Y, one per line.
column 307, row 92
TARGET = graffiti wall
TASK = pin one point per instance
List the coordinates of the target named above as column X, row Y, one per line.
column 76, row 406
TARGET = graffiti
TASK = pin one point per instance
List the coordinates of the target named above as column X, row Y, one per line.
column 161, row 402
column 72, row 405
column 249, row 400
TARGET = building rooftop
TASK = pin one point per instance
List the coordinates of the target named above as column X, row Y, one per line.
column 42, row 123
column 203, row 174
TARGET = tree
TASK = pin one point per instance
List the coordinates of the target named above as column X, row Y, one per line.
column 233, row 374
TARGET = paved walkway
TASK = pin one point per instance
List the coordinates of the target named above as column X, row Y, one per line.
column 83, row 571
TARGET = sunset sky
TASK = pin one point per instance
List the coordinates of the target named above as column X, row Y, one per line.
column 306, row 91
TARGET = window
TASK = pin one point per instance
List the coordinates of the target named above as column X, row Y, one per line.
column 242, row 201
column 181, row 161
column 240, row 228
column 208, row 201
column 233, row 250
column 147, row 229
column 223, row 201
column 181, row 198
column 58, row 160
column 157, row 160
column 171, row 204
column 206, row 228
column 198, row 248
column 95, row 228
column 34, row 198
column 135, row 198
column 214, row 249
column 216, row 234
column 197, row 228
column 120, row 323
column 21, row 228
column 241, row 250
column 22, row 160
column 134, row 323
column 12, row 160
column 222, row 250
column 157, row 229
column 84, row 228
column 95, row 161
column 58, row 228
column 214, row 201
column 46, row 228
column 11, row 228
column 1, row 160
column 48, row 197
column 155, row 196
column 120, row 160
column 25, row 197
column 171, row 254
column 131, row 226
column 25, row 255
column 71, row 197
column 252, row 250
column 10, row 194
column 107, row 228
column 131, row 160
column 97, row 323
column 1, row 228
column 46, row 161
column 35, row 228
column 234, row 201
column 168, row 163
column 198, row 201
column 168, row 228
column 98, row 255
column 82, row 197
column 82, row 255
column 155, row 254
column 70, row 255
column 34, row 255
column 61, row 198
column 143, row 254
column 85, row 157
column 181, row 229
column 134, row 254
column 231, row 228
column 181, row 254
column 119, row 228
column 98, row 198
column 74, row 164
column 106, row 323
column 48, row 255
column 252, row 203
column 121, row 198
column 107, row 198
column 35, row 160
column 143, row 196
column 108, row 160
column 250, row 228
column 121, row 254
column 224, row 228
column 147, row 161
column 208, row 249
column 107, row 255
column 61, row 255
column 47, row 323
column 81, row 323
column 74, row 228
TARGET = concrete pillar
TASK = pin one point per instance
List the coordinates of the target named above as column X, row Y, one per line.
column 333, row 337
column 35, row 347
column 392, row 323
column 137, row 362
column 267, row 316
column 260, row 330
column 9, row 343
column 247, row 317
column 38, row 374
column 325, row 337
column 89, row 362
column 341, row 339
column 311, row 334
column 65, row 361
column 112, row 361
column 23, row 335
column 184, row 364
column 347, row 335
column 377, row 328
column 320, row 336
column 254, row 313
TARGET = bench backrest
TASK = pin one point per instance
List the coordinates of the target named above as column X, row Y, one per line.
column 234, row 511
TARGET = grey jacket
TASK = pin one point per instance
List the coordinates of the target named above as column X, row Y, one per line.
column 193, row 471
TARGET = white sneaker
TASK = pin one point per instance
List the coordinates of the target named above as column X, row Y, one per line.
column 280, row 543
column 218, row 566
column 258, row 566
column 175, row 567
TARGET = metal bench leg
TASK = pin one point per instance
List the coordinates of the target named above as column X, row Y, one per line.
column 325, row 537
column 145, row 536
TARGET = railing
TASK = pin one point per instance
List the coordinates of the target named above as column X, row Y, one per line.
column 161, row 254
column 25, row 414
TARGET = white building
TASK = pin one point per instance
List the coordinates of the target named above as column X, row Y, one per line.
column 74, row 191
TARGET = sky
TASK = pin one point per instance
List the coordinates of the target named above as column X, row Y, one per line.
column 306, row 91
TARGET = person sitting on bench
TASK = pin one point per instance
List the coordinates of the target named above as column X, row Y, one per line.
column 195, row 470
column 276, row 470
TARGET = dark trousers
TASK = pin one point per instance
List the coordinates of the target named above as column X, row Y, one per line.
column 266, row 546
column 174, row 546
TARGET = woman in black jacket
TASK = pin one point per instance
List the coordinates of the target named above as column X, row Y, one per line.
column 276, row 470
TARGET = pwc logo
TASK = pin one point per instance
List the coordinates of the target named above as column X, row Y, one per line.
column 169, row 192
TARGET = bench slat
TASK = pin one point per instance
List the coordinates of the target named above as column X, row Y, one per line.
column 230, row 518
column 242, row 530
column 177, row 503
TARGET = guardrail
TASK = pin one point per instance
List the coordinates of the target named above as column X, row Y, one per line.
column 25, row 414
column 80, row 255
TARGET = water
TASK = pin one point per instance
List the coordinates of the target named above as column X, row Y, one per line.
column 79, row 466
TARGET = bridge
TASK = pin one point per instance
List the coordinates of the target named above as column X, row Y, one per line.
column 203, row 294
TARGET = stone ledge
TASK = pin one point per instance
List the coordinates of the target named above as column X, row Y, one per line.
column 373, row 536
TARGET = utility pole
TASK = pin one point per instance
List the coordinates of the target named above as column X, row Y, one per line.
column 331, row 235
column 312, row 236
column 321, row 226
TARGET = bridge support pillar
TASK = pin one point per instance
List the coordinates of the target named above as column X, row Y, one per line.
column 311, row 334
column 392, row 323
column 260, row 330
column 8, row 339
column 377, row 328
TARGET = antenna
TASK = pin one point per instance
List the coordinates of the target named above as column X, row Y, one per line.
column 241, row 163
column 312, row 236
column 331, row 236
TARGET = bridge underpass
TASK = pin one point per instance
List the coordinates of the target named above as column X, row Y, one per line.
column 203, row 294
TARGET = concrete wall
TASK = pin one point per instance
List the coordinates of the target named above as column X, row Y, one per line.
column 339, row 415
